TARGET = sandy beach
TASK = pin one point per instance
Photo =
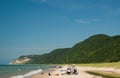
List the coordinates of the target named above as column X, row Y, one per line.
column 81, row 73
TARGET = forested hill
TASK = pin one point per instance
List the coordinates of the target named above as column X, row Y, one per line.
column 97, row 48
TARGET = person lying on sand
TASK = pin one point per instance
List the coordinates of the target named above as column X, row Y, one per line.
column 72, row 70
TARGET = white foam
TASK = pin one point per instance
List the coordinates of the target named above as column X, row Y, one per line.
column 20, row 76
column 28, row 74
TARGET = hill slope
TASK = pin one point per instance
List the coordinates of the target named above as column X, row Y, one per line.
column 97, row 48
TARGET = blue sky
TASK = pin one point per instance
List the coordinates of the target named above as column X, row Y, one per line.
column 40, row 26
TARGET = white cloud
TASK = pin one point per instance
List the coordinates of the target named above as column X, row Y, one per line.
column 86, row 21
column 39, row 0
column 44, row 0
column 82, row 21
column 114, row 12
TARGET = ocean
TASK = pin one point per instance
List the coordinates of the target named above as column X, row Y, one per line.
column 21, row 71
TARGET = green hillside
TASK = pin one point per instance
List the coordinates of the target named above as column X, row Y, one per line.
column 95, row 49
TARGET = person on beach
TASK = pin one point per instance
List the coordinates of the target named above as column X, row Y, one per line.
column 68, row 70
column 49, row 74
column 72, row 70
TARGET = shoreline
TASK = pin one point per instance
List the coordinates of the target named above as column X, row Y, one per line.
column 43, row 73
column 49, row 73
column 61, row 72
column 56, row 73
column 38, row 69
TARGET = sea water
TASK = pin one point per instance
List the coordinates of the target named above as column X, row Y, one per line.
column 20, row 71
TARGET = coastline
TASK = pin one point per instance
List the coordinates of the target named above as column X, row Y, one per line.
column 43, row 73
column 21, row 71
column 60, row 71
column 56, row 73
column 49, row 73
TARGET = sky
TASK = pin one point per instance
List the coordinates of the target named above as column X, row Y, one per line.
column 40, row 26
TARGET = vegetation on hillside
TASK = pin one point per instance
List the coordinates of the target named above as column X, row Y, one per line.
column 95, row 49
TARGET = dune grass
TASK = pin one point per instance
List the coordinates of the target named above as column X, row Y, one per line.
column 104, row 74
column 113, row 64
